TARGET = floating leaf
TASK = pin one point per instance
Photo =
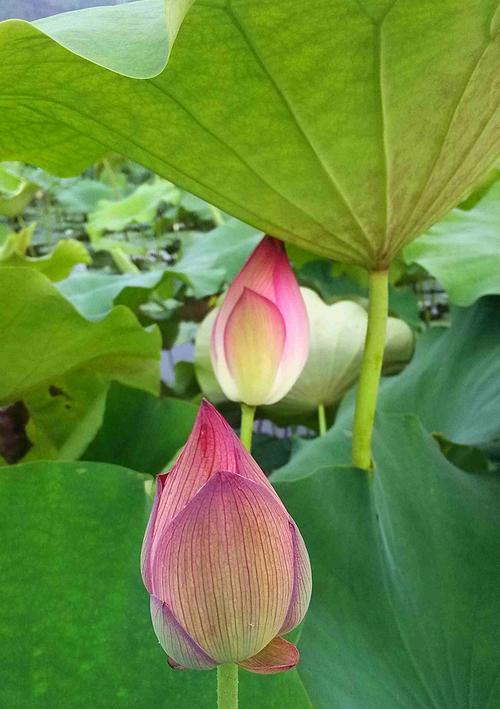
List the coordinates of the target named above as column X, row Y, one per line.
column 84, row 195
column 212, row 259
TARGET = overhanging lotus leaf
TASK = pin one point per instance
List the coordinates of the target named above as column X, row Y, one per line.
column 344, row 126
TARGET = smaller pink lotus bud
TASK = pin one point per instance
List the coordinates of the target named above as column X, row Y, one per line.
column 225, row 565
column 260, row 339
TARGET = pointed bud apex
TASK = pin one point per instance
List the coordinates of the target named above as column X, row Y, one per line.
column 260, row 338
column 224, row 564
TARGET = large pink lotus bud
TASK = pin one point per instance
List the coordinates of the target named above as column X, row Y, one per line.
column 224, row 563
column 260, row 338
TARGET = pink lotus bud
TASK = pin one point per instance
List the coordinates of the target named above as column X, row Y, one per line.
column 225, row 565
column 260, row 339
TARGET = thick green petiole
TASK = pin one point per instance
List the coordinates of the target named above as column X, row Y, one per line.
column 227, row 686
column 371, row 368
column 246, row 430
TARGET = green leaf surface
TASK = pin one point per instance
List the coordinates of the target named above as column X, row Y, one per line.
column 141, row 431
column 468, row 458
column 348, row 129
column 406, row 567
column 453, row 382
column 75, row 629
column 463, row 250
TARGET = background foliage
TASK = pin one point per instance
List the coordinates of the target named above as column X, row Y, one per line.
column 105, row 279
column 152, row 281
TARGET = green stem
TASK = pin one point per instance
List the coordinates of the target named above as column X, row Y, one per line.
column 371, row 368
column 321, row 419
column 247, row 416
column 227, row 687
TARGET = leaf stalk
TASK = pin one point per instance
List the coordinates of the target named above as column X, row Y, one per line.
column 371, row 368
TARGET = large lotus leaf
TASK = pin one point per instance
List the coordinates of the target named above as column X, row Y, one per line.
column 406, row 569
column 75, row 629
column 452, row 384
column 463, row 250
column 344, row 127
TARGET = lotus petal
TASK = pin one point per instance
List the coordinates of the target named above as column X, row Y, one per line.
column 225, row 567
column 278, row 656
column 179, row 646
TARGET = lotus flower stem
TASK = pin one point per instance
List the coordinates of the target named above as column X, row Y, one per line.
column 246, row 430
column 227, row 686
column 321, row 419
column 371, row 368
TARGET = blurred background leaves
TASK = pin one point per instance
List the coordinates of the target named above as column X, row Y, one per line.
column 106, row 282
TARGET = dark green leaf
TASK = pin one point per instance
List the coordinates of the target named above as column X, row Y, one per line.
column 468, row 458
column 406, row 567
column 75, row 629
column 141, row 431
